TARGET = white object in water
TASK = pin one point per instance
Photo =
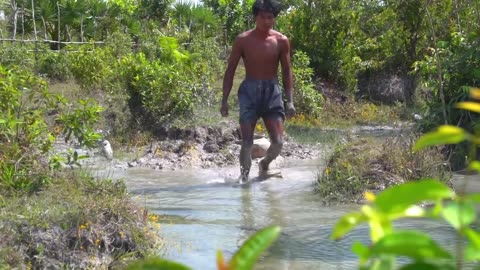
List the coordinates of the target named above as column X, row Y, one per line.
column 417, row 117
column 107, row 149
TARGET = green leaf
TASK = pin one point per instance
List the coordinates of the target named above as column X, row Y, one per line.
column 410, row 244
column 443, row 135
column 428, row 266
column 3, row 121
column 459, row 214
column 361, row 250
column 156, row 263
column 472, row 253
column 474, row 166
column 473, row 236
column 469, row 106
column 347, row 223
column 399, row 198
column 247, row 255
column 382, row 263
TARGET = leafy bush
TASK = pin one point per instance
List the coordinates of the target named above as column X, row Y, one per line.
column 160, row 89
column 12, row 55
column 307, row 99
column 25, row 134
column 55, row 65
column 93, row 68
column 447, row 70
column 208, row 67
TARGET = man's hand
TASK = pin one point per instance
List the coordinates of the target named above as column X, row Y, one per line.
column 290, row 110
column 224, row 109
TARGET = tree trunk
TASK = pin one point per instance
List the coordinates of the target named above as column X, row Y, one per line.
column 13, row 5
column 81, row 28
column 23, row 24
column 44, row 28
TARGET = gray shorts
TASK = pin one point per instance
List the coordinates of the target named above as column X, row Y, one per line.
column 260, row 99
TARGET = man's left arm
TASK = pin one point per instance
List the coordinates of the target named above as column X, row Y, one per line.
column 287, row 74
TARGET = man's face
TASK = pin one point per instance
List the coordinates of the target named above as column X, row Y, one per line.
column 264, row 20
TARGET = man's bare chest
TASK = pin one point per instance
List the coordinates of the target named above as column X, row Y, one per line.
column 261, row 50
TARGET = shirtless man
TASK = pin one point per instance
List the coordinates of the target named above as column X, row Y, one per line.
column 259, row 94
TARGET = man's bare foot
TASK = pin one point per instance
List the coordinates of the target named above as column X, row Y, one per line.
column 262, row 167
column 243, row 178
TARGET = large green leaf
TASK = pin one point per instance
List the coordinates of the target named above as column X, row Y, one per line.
column 428, row 266
column 247, row 255
column 156, row 264
column 459, row 214
column 361, row 250
column 411, row 244
column 474, row 166
column 399, row 198
column 347, row 223
column 443, row 135
column 472, row 253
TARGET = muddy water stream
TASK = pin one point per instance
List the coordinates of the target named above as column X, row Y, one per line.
column 202, row 211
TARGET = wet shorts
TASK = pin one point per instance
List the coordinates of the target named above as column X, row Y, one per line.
column 260, row 98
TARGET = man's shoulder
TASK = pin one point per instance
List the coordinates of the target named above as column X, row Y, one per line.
column 279, row 36
column 244, row 34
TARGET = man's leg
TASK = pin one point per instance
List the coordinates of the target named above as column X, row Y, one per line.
column 247, row 130
column 275, row 130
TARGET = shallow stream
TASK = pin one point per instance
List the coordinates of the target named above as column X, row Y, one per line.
column 203, row 210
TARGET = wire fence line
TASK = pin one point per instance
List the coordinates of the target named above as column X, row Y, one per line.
column 51, row 41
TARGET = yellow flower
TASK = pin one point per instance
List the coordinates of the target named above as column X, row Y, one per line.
column 369, row 196
column 259, row 127
column 328, row 171
column 153, row 218
column 83, row 226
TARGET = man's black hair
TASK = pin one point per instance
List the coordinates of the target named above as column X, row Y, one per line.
column 267, row 6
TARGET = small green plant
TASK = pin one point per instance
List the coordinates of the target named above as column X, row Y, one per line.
column 402, row 202
column 25, row 131
column 307, row 99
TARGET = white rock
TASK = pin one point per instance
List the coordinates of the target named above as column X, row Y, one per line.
column 277, row 163
column 417, row 117
column 260, row 147
column 107, row 150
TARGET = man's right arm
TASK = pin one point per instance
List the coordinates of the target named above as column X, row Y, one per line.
column 231, row 68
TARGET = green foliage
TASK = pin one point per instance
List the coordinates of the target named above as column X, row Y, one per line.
column 25, row 134
column 307, row 99
column 80, row 121
column 448, row 67
column 92, row 67
column 89, row 218
column 55, row 65
column 162, row 87
column 401, row 201
column 12, row 55
column 156, row 263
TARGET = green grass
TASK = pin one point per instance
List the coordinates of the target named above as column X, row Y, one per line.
column 76, row 220
column 370, row 164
